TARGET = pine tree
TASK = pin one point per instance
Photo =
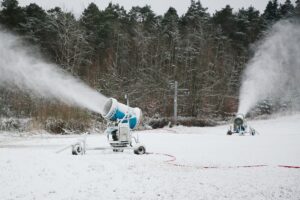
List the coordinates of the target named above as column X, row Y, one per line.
column 170, row 39
column 90, row 16
column 287, row 9
column 144, row 16
column 249, row 25
column 227, row 21
column 196, row 15
column 11, row 14
column 90, row 20
column 297, row 8
column 271, row 13
column 169, row 23
column 34, row 25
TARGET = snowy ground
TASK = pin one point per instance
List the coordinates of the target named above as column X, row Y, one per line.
column 209, row 165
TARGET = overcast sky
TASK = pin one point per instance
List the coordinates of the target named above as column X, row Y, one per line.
column 158, row 6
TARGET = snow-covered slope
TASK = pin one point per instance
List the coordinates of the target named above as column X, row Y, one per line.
column 209, row 165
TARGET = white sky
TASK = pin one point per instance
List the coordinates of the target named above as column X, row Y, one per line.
column 158, row 6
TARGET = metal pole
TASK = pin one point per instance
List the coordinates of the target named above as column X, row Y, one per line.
column 175, row 101
column 127, row 99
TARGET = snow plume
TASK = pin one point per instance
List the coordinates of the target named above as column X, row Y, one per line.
column 21, row 68
column 274, row 71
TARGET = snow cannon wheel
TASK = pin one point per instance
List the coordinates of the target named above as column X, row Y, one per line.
column 77, row 149
column 229, row 132
column 140, row 150
column 252, row 132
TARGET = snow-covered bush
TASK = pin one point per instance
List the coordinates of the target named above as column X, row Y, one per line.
column 158, row 123
column 60, row 126
column 15, row 124
column 185, row 121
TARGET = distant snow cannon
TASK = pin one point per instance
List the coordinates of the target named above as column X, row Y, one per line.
column 116, row 112
column 240, row 126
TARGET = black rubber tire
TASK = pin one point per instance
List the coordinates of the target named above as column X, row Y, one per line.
column 77, row 149
column 229, row 133
column 140, row 150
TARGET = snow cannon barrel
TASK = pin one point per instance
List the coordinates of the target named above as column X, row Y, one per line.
column 115, row 111
column 239, row 120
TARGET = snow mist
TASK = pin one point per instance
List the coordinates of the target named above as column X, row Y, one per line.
column 274, row 71
column 21, row 68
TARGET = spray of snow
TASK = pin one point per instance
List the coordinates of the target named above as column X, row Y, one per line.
column 274, row 71
column 20, row 68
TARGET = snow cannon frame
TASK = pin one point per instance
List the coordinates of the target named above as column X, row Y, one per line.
column 116, row 111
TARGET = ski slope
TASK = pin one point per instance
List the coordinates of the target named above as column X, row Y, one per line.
column 183, row 163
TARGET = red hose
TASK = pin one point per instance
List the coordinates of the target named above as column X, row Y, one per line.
column 173, row 158
column 287, row 166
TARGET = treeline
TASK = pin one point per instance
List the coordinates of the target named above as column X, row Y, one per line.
column 139, row 53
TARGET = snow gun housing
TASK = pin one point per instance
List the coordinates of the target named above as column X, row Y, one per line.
column 240, row 126
column 120, row 113
column 239, row 123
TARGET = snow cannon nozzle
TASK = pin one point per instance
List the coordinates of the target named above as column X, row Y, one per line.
column 239, row 119
column 116, row 111
column 240, row 126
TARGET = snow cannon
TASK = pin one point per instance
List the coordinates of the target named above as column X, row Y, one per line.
column 117, row 112
column 240, row 126
column 122, row 120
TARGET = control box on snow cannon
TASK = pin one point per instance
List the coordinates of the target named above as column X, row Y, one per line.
column 118, row 112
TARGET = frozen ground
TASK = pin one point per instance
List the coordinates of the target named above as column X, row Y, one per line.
column 209, row 165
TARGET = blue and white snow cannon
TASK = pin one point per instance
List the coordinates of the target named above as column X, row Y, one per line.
column 118, row 112
column 122, row 120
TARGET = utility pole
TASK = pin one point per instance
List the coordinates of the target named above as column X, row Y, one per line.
column 127, row 99
column 175, row 101
column 178, row 92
